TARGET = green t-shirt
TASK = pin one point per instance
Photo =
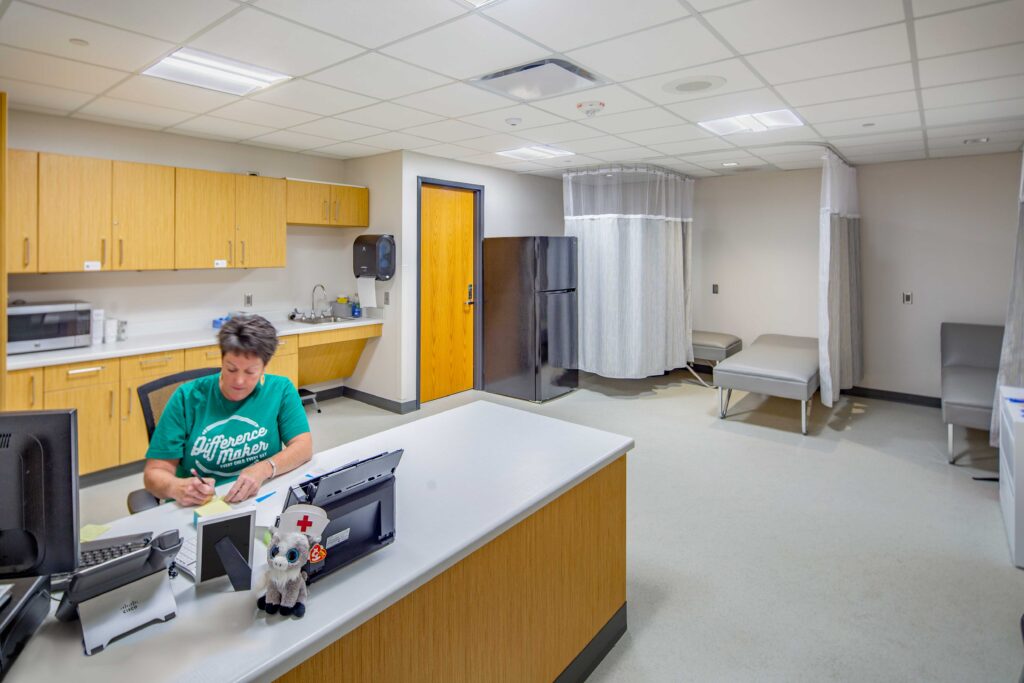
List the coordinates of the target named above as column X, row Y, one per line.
column 220, row 438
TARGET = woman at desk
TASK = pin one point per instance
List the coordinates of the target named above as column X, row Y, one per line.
column 230, row 425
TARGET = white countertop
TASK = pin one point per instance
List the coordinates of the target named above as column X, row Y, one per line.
column 467, row 475
column 169, row 341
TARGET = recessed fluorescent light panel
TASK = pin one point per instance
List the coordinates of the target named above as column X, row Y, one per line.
column 546, row 78
column 535, row 153
column 202, row 69
column 752, row 123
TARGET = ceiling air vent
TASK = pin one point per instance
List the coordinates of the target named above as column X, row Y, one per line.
column 546, row 78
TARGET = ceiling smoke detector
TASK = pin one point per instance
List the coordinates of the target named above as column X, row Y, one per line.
column 513, row 121
column 693, row 84
column 545, row 78
column 590, row 109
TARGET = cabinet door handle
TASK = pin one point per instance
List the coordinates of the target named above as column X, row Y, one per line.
column 211, row 354
column 103, row 251
column 150, row 362
column 231, row 251
column 337, row 211
column 84, row 371
column 32, row 390
column 326, row 216
column 243, row 252
column 120, row 249
column 27, row 252
column 129, row 398
column 111, row 403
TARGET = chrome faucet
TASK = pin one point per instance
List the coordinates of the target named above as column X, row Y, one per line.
column 312, row 304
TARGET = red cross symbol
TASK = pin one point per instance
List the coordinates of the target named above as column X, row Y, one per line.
column 304, row 523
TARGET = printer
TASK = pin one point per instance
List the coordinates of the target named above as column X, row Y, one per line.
column 374, row 256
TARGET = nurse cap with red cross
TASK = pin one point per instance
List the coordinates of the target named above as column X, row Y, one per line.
column 305, row 519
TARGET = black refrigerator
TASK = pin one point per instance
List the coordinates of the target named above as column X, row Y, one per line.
column 530, row 333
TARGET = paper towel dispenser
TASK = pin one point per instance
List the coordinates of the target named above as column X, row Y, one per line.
column 374, row 255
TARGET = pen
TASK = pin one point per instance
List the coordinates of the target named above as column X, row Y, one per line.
column 265, row 496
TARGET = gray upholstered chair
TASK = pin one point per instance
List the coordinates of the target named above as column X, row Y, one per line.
column 970, row 362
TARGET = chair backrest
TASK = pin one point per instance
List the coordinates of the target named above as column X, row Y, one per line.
column 976, row 346
column 154, row 395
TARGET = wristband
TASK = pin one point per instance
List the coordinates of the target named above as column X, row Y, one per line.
column 273, row 469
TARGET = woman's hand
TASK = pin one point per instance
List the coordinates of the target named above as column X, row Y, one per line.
column 249, row 481
column 194, row 491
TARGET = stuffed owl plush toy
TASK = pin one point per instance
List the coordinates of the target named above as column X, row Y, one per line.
column 292, row 542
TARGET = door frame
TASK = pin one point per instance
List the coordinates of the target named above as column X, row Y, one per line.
column 478, row 236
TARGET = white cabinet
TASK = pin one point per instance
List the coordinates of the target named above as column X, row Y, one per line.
column 1011, row 479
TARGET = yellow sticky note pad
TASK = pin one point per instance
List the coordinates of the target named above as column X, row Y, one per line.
column 217, row 506
column 90, row 532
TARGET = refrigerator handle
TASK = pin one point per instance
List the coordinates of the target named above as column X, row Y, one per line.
column 469, row 295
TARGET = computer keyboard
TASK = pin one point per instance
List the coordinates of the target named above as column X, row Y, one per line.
column 185, row 560
column 97, row 552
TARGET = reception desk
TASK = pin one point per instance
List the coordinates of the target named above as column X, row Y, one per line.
column 509, row 564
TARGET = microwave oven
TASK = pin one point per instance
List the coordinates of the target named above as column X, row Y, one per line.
column 48, row 326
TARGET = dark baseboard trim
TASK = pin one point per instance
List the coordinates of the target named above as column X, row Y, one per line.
column 103, row 476
column 896, row 396
column 376, row 401
column 599, row 646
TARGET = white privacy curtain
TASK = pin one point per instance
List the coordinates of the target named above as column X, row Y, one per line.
column 1011, row 361
column 840, row 345
column 633, row 225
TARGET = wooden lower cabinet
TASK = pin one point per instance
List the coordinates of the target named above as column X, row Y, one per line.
column 202, row 357
column 98, row 408
column 136, row 371
column 24, row 390
column 286, row 366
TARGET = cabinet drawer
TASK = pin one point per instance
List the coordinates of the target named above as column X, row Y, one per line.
column 202, row 357
column 334, row 336
column 57, row 377
column 287, row 346
column 152, row 365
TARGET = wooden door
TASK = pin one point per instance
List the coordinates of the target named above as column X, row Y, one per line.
column 22, row 211
column 308, row 203
column 98, row 436
column 136, row 371
column 204, row 219
column 74, row 213
column 446, row 275
column 350, row 206
column 260, row 218
column 24, row 390
column 143, row 216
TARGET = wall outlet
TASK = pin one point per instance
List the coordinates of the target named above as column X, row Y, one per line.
column 387, row 298
column 247, row 299
column 714, row 289
column 908, row 297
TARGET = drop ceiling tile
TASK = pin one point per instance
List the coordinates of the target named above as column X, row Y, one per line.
column 700, row 172
column 616, row 100
column 887, row 148
column 132, row 113
column 652, row 51
column 455, row 100
column 43, row 30
column 388, row 115
column 923, row 8
column 862, row 50
column 767, row 137
column 691, row 146
column 159, row 92
column 860, row 108
column 349, row 150
column 713, row 160
column 967, row 113
column 530, row 116
column 497, row 143
column 490, row 159
column 220, row 128
column 667, row 134
column 174, row 21
column 630, row 121
column 882, row 158
column 31, row 95
column 767, row 24
column 575, row 161
column 338, row 130
column 970, row 66
column 468, row 46
column 707, row 5
column 974, row 150
column 796, row 164
column 378, row 76
column 970, row 29
column 449, row 131
column 626, row 154
column 878, row 124
column 523, row 167
column 397, row 141
column 879, row 81
column 35, row 67
column 937, row 140
column 973, row 130
column 288, row 139
column 567, row 24
column 598, row 144
column 969, row 93
column 710, row 108
column 449, row 151
column 660, row 89
column 313, row 97
column 262, row 114
column 792, row 153
column 559, row 132
column 366, row 22
column 675, row 164
column 259, row 38
column 880, row 138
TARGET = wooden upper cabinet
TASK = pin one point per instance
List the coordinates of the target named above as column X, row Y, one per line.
column 142, row 231
column 22, row 211
column 204, row 219
column 308, row 203
column 351, row 206
column 74, row 213
column 260, row 219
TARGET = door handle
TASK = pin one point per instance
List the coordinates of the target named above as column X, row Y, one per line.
column 151, row 362
column 27, row 252
column 243, row 252
column 111, row 403
column 231, row 251
column 120, row 248
column 337, row 211
column 84, row 371
column 103, row 251
column 469, row 295
column 32, row 390
column 326, row 214
column 129, row 398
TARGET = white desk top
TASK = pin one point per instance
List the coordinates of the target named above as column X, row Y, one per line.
column 467, row 475
column 185, row 339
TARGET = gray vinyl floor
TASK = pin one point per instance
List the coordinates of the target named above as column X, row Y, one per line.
column 756, row 554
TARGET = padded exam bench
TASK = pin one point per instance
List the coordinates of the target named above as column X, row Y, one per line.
column 776, row 365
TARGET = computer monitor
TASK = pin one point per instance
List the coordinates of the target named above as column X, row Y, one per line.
column 38, row 492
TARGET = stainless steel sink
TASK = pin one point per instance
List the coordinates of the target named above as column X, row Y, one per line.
column 321, row 319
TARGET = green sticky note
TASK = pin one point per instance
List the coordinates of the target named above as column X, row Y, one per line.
column 217, row 506
column 90, row 532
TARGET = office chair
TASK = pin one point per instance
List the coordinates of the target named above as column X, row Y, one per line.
column 154, row 397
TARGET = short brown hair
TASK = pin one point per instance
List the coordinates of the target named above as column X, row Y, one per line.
column 249, row 335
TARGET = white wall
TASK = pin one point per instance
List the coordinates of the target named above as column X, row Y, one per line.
column 941, row 228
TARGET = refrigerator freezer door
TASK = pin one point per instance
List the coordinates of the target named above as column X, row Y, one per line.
column 557, row 349
column 509, row 332
column 556, row 263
